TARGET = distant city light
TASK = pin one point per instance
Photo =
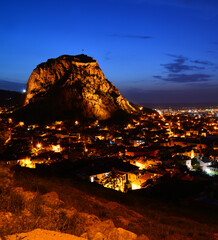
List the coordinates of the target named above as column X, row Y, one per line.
column 208, row 171
column 21, row 124
column 24, row 91
column 39, row 145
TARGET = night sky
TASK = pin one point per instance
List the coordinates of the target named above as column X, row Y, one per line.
column 152, row 50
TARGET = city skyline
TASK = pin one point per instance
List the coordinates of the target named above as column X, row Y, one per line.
column 152, row 51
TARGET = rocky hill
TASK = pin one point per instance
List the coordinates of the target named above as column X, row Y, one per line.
column 72, row 86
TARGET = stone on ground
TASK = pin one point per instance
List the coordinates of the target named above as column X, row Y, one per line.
column 41, row 234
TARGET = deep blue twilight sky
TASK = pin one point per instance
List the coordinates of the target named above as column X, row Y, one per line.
column 152, row 50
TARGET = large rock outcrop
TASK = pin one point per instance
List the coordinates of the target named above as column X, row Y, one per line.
column 73, row 86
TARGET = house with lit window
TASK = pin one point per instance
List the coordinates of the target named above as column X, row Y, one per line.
column 136, row 141
column 98, row 176
column 144, row 180
column 144, row 163
column 212, row 170
column 204, row 162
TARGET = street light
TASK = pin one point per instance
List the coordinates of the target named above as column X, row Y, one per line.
column 39, row 145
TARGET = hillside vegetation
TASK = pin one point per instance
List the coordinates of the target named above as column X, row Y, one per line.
column 30, row 200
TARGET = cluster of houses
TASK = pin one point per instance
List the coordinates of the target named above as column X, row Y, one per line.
column 133, row 156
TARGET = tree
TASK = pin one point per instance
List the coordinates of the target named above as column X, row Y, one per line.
column 195, row 164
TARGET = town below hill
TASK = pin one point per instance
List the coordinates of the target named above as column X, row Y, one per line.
column 164, row 159
column 144, row 152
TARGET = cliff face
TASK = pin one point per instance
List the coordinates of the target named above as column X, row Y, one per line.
column 72, row 85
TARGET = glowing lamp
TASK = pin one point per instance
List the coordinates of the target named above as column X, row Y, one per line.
column 39, row 145
column 21, row 124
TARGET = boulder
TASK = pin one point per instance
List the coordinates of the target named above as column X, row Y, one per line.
column 87, row 219
column 52, row 199
column 142, row 237
column 99, row 236
column 69, row 212
column 5, row 217
column 104, row 227
column 82, row 221
column 26, row 195
column 121, row 234
column 122, row 221
column 41, row 234
column 84, row 235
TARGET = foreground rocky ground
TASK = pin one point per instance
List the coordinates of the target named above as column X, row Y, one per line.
column 43, row 208
column 39, row 234
column 49, row 212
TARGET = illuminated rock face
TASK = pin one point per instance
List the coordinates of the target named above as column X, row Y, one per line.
column 72, row 85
